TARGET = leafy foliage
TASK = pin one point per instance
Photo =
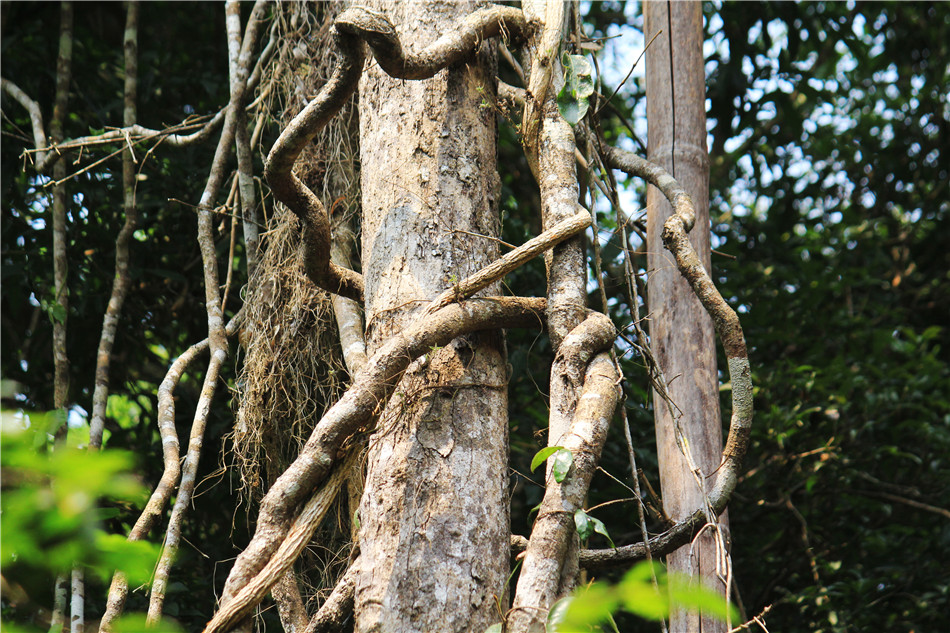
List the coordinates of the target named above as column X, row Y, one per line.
column 563, row 459
column 646, row 591
column 51, row 516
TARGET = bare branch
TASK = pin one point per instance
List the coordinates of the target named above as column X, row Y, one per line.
column 348, row 313
column 290, row 609
column 283, row 559
column 730, row 333
column 550, row 238
column 548, row 16
column 452, row 47
column 60, row 263
column 287, row 188
column 216, row 331
column 36, row 119
column 119, row 589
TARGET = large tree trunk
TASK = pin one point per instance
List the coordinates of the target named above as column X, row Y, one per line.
column 434, row 516
column 681, row 332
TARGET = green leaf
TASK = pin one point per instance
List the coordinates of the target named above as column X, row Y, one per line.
column 57, row 313
column 583, row 525
column 494, row 628
column 541, row 456
column 136, row 622
column 694, row 596
column 601, row 529
column 588, row 607
column 555, row 622
column 135, row 559
column 578, row 87
column 641, row 596
column 562, row 464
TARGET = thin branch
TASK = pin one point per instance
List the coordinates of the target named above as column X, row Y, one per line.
column 60, row 262
column 60, row 594
column 216, row 330
column 629, row 72
column 874, row 494
column 730, row 333
column 60, row 271
column 136, row 133
column 77, row 602
column 122, row 280
column 246, row 186
column 349, row 318
column 550, row 238
column 36, row 119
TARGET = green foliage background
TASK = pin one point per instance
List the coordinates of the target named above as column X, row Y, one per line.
column 829, row 126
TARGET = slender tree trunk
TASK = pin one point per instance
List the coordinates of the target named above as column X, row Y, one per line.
column 122, row 279
column 60, row 203
column 434, row 515
column 681, row 332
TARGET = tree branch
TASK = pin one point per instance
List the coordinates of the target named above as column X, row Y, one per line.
column 119, row 589
column 452, row 47
column 36, row 120
column 354, row 24
column 730, row 333
column 550, row 238
column 216, row 331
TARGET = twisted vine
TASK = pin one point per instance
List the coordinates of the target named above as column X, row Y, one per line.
column 448, row 317
column 354, row 25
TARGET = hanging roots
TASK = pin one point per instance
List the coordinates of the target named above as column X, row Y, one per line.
column 293, row 368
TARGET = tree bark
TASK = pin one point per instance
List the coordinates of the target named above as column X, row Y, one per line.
column 681, row 332
column 434, row 515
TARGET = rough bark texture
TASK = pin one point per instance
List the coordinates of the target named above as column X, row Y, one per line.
column 681, row 331
column 435, row 529
column 551, row 148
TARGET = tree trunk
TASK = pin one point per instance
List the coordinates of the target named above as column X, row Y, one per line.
column 434, row 516
column 681, row 332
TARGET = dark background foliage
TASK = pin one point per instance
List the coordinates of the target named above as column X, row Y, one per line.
column 829, row 126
